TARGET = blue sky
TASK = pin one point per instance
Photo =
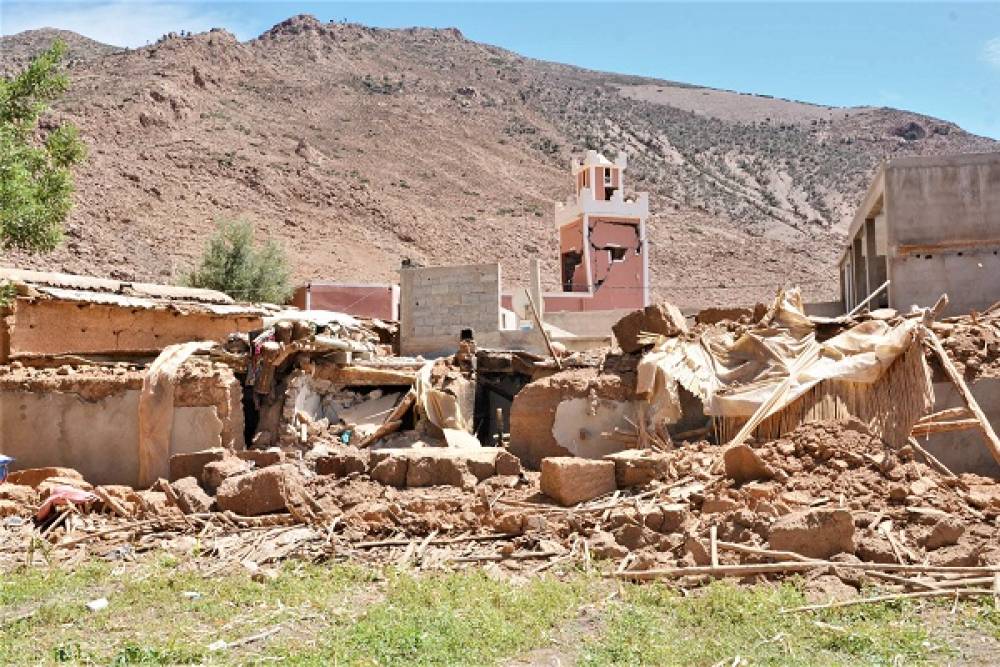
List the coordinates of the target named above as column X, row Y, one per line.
column 938, row 59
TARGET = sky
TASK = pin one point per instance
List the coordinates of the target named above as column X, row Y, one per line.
column 942, row 60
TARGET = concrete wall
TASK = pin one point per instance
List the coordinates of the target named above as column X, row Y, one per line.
column 966, row 451
column 943, row 218
column 592, row 323
column 971, row 280
column 377, row 301
column 436, row 303
column 51, row 326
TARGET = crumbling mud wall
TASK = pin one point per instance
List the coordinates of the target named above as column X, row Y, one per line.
column 572, row 413
column 44, row 326
column 87, row 418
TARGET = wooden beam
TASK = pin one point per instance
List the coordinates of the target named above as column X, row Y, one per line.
column 929, row 428
column 945, row 415
column 990, row 436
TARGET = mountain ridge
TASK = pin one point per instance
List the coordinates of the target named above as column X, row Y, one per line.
column 358, row 147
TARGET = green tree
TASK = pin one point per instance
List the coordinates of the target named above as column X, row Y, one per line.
column 36, row 185
column 233, row 264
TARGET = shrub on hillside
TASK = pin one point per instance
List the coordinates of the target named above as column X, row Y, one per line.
column 232, row 263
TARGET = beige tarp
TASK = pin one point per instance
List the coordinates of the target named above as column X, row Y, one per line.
column 156, row 409
column 735, row 376
column 443, row 410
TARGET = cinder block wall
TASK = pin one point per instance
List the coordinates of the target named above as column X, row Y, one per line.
column 436, row 303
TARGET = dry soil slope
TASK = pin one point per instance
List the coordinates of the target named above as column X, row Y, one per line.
column 358, row 147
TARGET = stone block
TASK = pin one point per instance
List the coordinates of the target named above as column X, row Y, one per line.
column 638, row 467
column 191, row 498
column 261, row 491
column 390, row 471
column 569, row 480
column 343, row 462
column 191, row 464
column 35, row 476
column 214, row 473
column 261, row 458
column 663, row 319
column 816, row 533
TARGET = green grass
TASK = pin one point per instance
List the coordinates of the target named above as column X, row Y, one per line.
column 348, row 615
column 653, row 625
column 458, row 619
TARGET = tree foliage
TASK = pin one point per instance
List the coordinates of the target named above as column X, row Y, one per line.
column 233, row 264
column 36, row 185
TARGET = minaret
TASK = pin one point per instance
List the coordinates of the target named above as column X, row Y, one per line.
column 602, row 237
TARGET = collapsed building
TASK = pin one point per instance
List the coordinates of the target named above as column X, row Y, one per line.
column 765, row 428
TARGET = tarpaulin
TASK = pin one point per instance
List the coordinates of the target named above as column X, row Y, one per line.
column 774, row 364
column 156, row 409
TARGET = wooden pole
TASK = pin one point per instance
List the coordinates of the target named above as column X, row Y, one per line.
column 990, row 436
column 857, row 308
column 545, row 335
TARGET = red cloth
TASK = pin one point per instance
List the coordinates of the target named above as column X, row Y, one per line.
column 63, row 495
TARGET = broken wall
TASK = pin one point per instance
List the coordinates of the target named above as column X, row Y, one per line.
column 89, row 419
column 46, row 326
column 573, row 413
column 436, row 303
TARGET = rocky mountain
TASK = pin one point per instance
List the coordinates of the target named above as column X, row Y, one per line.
column 358, row 147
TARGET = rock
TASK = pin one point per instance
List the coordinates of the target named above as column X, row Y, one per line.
column 343, row 462
column 261, row 458
column 191, row 464
column 718, row 505
column 13, row 508
column 191, row 498
column 510, row 522
column 453, row 472
column 507, row 464
column 922, row 486
column 944, row 533
column 391, row 471
column 696, row 551
column 875, row 549
column 155, row 501
column 35, row 476
column 638, row 467
column 18, row 493
column 663, row 319
column 956, row 555
column 420, row 472
column 603, row 545
column 214, row 473
column 569, row 480
column 828, row 588
column 262, row 491
column 744, row 465
column 666, row 518
column 631, row 537
column 817, row 533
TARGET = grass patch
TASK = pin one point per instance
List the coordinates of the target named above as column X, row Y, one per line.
column 456, row 619
column 151, row 617
column 653, row 625
column 348, row 615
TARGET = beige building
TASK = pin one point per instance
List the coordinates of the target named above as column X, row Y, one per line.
column 929, row 225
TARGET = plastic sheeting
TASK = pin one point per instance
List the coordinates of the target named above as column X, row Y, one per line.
column 779, row 361
column 156, row 409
